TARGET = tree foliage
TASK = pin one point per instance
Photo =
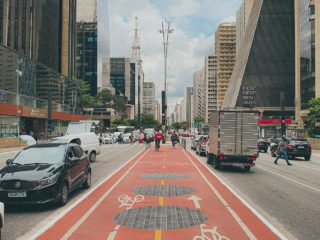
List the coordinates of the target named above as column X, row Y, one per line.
column 86, row 100
column 199, row 119
column 313, row 118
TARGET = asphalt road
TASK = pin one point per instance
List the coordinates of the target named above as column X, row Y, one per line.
column 287, row 196
column 20, row 221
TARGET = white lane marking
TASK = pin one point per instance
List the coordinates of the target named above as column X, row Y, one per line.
column 53, row 220
column 252, row 209
column 224, row 202
column 214, row 235
column 113, row 234
column 195, row 200
column 290, row 179
column 99, row 201
column 128, row 202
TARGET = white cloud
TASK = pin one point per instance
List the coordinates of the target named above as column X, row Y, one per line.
column 183, row 8
column 186, row 52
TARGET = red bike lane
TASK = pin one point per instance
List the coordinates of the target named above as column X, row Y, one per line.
column 165, row 195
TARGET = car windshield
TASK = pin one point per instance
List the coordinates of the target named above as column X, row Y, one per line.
column 40, row 155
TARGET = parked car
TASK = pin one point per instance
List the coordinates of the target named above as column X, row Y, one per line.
column 201, row 147
column 44, row 173
column 185, row 134
column 30, row 140
column 194, row 141
column 263, row 145
column 126, row 137
column 108, row 139
column 150, row 132
column 1, row 217
column 88, row 141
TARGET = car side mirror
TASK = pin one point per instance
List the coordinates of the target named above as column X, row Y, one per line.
column 9, row 161
column 74, row 159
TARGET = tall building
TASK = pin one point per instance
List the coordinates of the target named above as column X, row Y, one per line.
column 93, row 45
column 262, row 74
column 177, row 113
column 44, row 31
column 183, row 110
column 187, row 104
column 157, row 111
column 242, row 15
column 148, row 99
column 87, row 55
column 199, row 93
column 307, row 20
column 225, row 50
column 122, row 78
column 211, row 83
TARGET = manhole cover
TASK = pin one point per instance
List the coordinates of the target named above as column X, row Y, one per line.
column 164, row 176
column 160, row 217
column 163, row 190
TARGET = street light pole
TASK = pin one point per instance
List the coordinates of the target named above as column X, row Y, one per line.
column 165, row 37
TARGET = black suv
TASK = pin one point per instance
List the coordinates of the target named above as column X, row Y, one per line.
column 44, row 173
column 263, row 145
column 296, row 148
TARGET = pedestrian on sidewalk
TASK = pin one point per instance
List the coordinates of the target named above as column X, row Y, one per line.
column 174, row 138
column 282, row 149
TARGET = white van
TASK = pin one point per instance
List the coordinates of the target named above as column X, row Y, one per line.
column 83, row 134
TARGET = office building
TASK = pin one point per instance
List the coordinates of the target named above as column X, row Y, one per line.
column 44, row 31
column 225, row 50
column 148, row 99
column 157, row 111
column 211, row 83
column 199, row 94
column 261, row 74
column 242, row 17
column 93, row 45
column 307, row 82
column 122, row 78
column 187, row 104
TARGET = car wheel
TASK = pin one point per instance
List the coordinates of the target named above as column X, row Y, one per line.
column 247, row 168
column 87, row 183
column 63, row 199
column 209, row 158
column 307, row 158
column 216, row 163
column 92, row 156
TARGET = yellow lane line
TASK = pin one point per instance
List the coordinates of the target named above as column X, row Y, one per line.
column 157, row 235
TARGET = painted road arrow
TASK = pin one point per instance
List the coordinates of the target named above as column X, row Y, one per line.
column 195, row 200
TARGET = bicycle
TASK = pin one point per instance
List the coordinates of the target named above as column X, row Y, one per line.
column 157, row 145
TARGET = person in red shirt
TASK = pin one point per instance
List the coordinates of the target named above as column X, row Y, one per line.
column 158, row 137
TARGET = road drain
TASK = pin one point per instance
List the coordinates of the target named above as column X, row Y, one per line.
column 160, row 217
column 164, row 176
column 163, row 190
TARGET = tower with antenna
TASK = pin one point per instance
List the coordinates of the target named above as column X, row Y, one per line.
column 136, row 57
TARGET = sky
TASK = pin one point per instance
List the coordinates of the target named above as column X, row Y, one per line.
column 194, row 23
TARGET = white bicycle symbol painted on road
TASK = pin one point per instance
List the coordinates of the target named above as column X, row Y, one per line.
column 209, row 234
column 128, row 202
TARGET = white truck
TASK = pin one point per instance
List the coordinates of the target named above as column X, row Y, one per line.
column 82, row 133
column 233, row 137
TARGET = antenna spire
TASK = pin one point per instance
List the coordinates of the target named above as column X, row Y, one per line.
column 136, row 43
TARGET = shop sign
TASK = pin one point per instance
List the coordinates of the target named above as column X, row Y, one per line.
column 34, row 112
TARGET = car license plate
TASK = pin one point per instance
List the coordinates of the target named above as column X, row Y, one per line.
column 300, row 147
column 17, row 194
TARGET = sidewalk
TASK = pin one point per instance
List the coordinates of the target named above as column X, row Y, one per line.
column 165, row 195
column 8, row 151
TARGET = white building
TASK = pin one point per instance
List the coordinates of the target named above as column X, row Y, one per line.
column 199, row 94
column 211, row 83
column 148, row 99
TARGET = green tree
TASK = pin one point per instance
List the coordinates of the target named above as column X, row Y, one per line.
column 104, row 97
column 86, row 99
column 176, row 125
column 199, row 119
column 148, row 121
column 185, row 125
column 313, row 117
column 120, row 106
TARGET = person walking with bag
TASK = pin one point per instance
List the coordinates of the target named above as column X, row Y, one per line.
column 282, row 150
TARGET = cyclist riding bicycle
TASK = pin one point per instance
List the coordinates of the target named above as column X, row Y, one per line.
column 158, row 137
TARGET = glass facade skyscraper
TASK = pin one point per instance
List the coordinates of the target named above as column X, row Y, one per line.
column 92, row 42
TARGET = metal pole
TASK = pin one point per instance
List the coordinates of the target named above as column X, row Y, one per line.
column 18, row 103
